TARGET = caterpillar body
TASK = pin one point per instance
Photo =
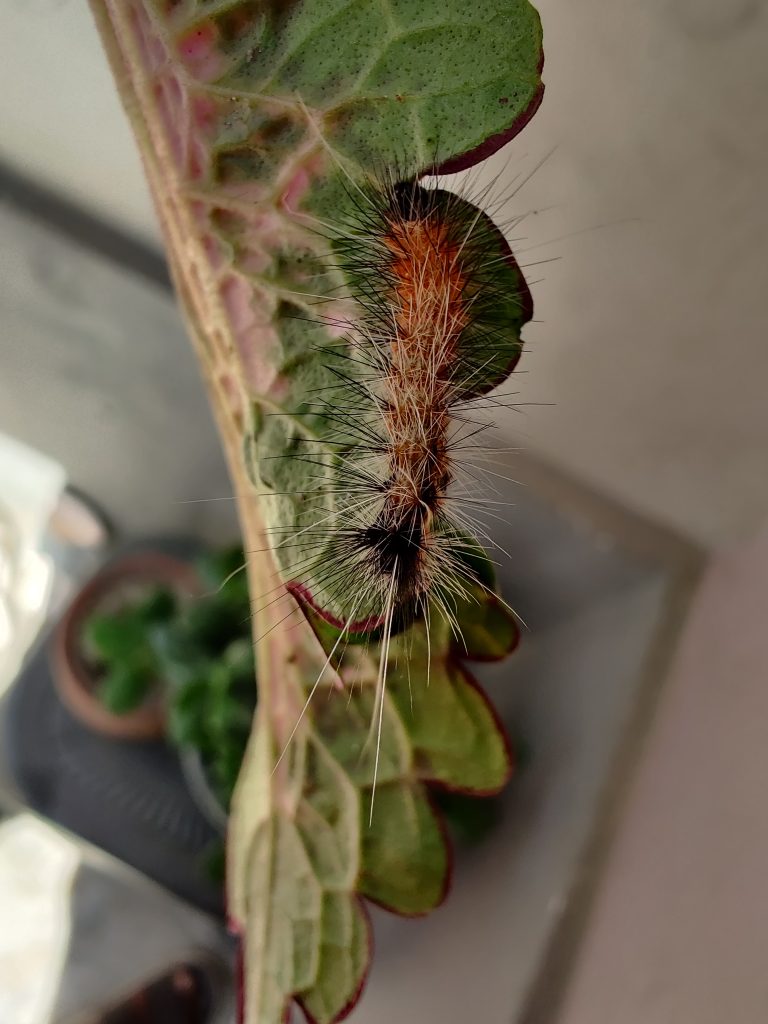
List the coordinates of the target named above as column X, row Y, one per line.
column 357, row 479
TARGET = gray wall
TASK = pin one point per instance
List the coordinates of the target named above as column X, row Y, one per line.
column 96, row 371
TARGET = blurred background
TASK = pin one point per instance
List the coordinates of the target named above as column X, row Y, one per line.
column 643, row 421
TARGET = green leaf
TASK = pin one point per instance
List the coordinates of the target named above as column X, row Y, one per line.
column 405, row 859
column 487, row 628
column 291, row 881
column 217, row 565
column 344, row 724
column 423, row 76
column 125, row 688
column 160, row 606
column 187, row 725
column 343, row 961
column 454, row 736
column 118, row 638
column 469, row 818
column 387, row 845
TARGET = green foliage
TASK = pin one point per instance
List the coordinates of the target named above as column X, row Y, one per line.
column 332, row 838
column 423, row 77
column 120, row 644
column 198, row 651
column 470, row 818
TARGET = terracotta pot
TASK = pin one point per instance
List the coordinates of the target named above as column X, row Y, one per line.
column 74, row 680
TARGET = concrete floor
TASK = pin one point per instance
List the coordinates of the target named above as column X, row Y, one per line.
column 679, row 929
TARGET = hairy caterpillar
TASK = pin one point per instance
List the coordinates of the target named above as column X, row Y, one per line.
column 357, row 481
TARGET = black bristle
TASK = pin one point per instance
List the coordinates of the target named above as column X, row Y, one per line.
column 395, row 544
column 409, row 200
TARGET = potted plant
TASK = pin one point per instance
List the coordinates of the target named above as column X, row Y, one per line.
column 170, row 652
column 206, row 655
column 121, row 697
